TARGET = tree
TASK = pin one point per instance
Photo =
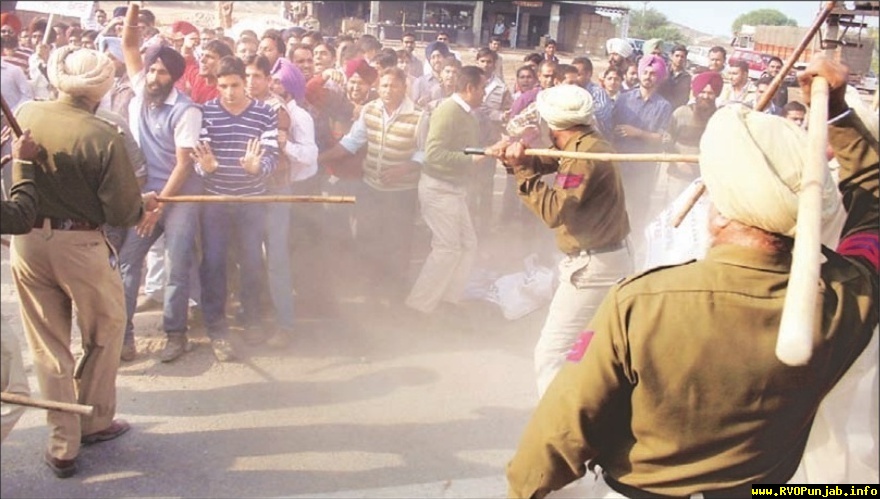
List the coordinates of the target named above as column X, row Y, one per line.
column 651, row 23
column 763, row 17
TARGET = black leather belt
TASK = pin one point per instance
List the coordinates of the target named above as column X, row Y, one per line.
column 637, row 493
column 65, row 224
column 601, row 249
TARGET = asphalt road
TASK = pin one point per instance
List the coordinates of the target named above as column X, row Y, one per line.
column 368, row 404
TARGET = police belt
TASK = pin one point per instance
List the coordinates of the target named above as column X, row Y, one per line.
column 637, row 493
column 608, row 248
column 65, row 224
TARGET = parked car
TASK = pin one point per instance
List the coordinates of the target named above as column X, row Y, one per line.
column 756, row 60
column 867, row 83
column 698, row 58
column 637, row 44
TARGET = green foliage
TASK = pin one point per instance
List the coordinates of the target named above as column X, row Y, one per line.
column 653, row 24
column 763, row 17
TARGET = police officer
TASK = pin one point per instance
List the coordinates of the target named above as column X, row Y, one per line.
column 585, row 206
column 679, row 391
column 84, row 180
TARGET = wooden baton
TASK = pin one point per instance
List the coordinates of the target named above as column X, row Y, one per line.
column 256, row 199
column 601, row 156
column 10, row 118
column 766, row 98
column 794, row 345
column 14, row 398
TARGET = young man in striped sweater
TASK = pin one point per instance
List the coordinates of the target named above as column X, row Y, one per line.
column 237, row 152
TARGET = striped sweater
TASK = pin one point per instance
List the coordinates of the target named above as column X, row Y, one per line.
column 228, row 136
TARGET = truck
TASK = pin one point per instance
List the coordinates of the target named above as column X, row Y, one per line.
column 856, row 50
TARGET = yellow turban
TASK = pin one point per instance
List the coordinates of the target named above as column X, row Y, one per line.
column 81, row 72
column 752, row 165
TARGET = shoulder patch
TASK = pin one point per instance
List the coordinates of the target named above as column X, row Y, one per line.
column 580, row 347
column 569, row 180
column 634, row 277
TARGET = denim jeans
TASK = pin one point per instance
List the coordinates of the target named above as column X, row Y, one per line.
column 219, row 220
column 278, row 259
column 180, row 224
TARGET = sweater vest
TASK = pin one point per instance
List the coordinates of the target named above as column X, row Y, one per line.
column 390, row 146
column 156, row 129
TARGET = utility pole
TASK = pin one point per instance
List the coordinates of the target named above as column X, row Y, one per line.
column 642, row 22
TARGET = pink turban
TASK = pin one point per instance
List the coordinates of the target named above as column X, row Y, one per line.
column 711, row 78
column 657, row 63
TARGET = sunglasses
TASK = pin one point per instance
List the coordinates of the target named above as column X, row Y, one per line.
column 6, row 32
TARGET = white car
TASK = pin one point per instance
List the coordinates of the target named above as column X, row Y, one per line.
column 868, row 83
column 698, row 57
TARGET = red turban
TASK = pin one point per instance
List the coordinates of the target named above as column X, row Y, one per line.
column 711, row 78
column 183, row 27
column 359, row 65
column 11, row 20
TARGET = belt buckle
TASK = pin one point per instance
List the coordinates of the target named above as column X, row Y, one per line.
column 66, row 224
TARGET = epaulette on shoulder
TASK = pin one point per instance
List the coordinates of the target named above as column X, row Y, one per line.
column 113, row 125
column 653, row 270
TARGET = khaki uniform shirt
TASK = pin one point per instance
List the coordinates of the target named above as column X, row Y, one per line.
column 680, row 391
column 87, row 174
column 585, row 204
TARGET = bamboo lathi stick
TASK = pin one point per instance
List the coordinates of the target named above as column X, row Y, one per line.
column 620, row 157
column 765, row 99
column 257, row 199
column 600, row 156
column 794, row 345
column 14, row 398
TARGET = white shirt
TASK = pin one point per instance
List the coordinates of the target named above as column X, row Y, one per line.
column 300, row 147
column 16, row 87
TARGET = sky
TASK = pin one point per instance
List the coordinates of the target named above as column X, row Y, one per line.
column 716, row 18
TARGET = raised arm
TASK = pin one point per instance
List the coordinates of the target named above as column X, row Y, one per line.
column 131, row 39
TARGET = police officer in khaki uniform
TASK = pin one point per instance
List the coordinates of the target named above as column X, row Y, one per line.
column 680, row 391
column 84, row 180
column 585, row 206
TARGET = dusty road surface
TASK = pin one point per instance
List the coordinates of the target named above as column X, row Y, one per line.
column 365, row 404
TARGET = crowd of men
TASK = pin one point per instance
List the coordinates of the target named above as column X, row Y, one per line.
column 179, row 110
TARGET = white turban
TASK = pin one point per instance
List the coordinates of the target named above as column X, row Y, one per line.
column 565, row 106
column 863, row 111
column 752, row 164
column 81, row 72
column 619, row 46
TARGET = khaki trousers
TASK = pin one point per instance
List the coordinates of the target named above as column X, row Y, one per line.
column 55, row 273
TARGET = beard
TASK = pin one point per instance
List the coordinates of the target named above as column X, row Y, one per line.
column 156, row 92
column 704, row 109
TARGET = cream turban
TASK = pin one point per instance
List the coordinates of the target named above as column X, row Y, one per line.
column 619, row 46
column 752, row 163
column 565, row 106
column 81, row 72
column 651, row 45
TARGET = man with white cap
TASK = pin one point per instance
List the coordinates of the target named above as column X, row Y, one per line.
column 84, row 180
column 585, row 206
column 680, row 391
column 619, row 52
